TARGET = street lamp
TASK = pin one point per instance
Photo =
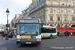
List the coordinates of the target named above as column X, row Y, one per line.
column 69, row 22
column 7, row 13
column 61, row 18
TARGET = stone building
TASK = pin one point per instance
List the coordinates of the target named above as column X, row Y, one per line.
column 54, row 12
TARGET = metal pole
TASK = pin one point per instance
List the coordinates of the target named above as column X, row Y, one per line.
column 66, row 28
column 61, row 19
column 7, row 28
column 22, row 17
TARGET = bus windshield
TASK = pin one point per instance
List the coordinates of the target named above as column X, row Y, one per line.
column 48, row 30
column 28, row 29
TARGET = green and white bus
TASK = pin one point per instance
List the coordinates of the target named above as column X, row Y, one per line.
column 48, row 32
column 28, row 31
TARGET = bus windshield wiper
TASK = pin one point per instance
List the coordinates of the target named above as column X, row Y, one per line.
column 23, row 33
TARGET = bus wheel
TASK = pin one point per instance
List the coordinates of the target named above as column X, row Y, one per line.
column 51, row 36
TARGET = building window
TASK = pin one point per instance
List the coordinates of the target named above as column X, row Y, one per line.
column 51, row 25
column 65, row 4
column 65, row 18
column 62, row 0
column 73, row 18
column 65, row 10
column 58, row 25
column 44, row 18
column 39, row 0
column 69, row 0
column 50, row 3
column 58, row 18
column 41, row 18
column 72, row 4
column 58, row 4
column 51, row 10
column 33, row 17
column 51, row 18
column 66, row 25
column 58, row 10
column 73, row 11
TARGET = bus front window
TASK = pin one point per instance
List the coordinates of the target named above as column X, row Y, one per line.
column 28, row 28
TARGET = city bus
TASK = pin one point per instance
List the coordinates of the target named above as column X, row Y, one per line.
column 28, row 31
column 48, row 32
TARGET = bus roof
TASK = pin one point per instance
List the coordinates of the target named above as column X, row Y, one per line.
column 48, row 27
column 28, row 21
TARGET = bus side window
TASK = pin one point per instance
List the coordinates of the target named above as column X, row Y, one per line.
column 54, row 30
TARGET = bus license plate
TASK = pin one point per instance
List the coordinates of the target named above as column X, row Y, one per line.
column 28, row 42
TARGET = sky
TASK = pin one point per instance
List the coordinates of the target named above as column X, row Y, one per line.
column 14, row 6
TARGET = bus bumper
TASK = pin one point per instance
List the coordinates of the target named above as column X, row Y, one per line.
column 28, row 41
column 54, row 36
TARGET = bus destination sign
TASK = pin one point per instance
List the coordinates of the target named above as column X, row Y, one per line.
column 29, row 21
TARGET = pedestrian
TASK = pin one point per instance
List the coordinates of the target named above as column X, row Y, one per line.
column 11, row 35
column 64, row 33
column 58, row 34
column 15, row 35
column 2, row 35
column 71, row 34
column 67, row 33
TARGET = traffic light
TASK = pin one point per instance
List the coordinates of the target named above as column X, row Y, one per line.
column 7, row 25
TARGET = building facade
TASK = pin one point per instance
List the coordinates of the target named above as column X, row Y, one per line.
column 14, row 21
column 25, row 13
column 54, row 12
column 2, row 27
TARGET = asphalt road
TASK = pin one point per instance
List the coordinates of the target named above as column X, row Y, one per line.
column 58, row 43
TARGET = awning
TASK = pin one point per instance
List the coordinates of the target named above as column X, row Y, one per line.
column 64, row 29
column 13, row 28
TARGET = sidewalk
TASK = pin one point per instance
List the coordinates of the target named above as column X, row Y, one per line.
column 2, row 41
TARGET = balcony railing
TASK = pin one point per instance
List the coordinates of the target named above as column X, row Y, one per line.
column 43, row 22
column 51, row 22
column 58, row 22
column 38, row 9
column 66, row 22
column 72, row 22
column 59, row 5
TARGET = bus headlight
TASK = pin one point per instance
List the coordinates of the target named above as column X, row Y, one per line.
column 18, row 37
column 38, row 39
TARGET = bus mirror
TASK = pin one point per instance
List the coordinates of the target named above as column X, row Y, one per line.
column 36, row 33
